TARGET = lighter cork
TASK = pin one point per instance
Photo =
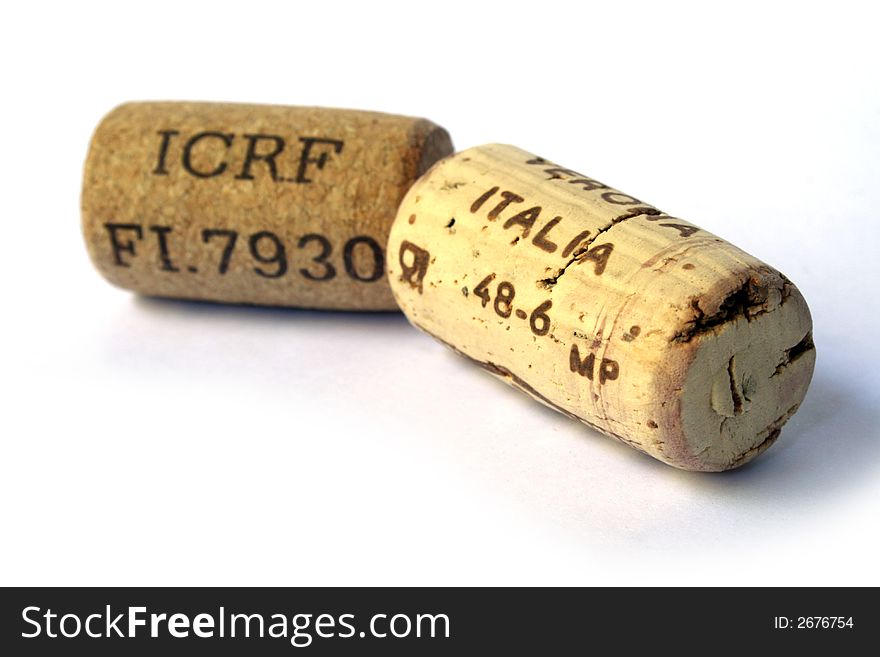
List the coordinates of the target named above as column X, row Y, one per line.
column 254, row 204
column 636, row 323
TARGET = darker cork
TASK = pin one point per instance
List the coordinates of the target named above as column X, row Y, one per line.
column 252, row 204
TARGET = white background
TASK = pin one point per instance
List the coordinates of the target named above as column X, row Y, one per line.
column 158, row 442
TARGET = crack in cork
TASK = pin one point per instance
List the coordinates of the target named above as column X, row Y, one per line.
column 772, row 433
column 793, row 353
column 734, row 388
column 749, row 300
column 548, row 283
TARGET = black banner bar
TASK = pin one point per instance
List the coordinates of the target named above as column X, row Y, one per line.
column 432, row 621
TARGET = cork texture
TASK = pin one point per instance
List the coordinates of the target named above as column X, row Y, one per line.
column 255, row 204
column 641, row 325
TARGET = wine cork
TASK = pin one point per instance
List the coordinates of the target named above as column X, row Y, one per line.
column 255, row 204
column 636, row 323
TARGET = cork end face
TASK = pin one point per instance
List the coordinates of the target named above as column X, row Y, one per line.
column 436, row 145
column 753, row 358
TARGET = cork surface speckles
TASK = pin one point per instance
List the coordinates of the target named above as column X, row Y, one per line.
column 255, row 204
column 639, row 324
